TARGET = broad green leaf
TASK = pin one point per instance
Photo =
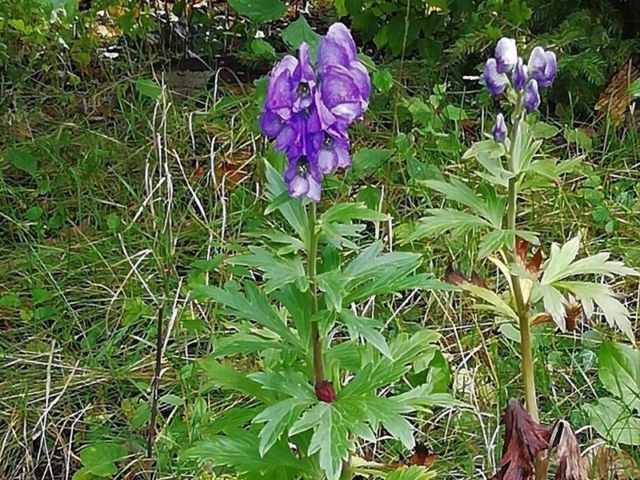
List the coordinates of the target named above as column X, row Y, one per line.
column 446, row 220
column 277, row 271
column 255, row 306
column 263, row 49
column 278, row 418
column 345, row 212
column 299, row 32
column 100, row 458
column 23, row 160
column 367, row 160
column 294, row 212
column 544, row 131
column 619, row 371
column 383, row 80
column 613, row 421
column 225, row 377
column 523, row 149
column 149, row 88
column 366, row 327
column 259, row 11
column 634, row 88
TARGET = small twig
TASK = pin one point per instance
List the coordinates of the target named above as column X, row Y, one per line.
column 155, row 383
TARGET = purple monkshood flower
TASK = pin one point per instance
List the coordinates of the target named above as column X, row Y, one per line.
column 499, row 130
column 519, row 77
column 531, row 99
column 291, row 86
column 337, row 48
column 506, row 54
column 303, row 178
column 330, row 152
column 543, row 66
column 495, row 81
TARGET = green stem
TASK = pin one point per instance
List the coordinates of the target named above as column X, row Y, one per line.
column 521, row 305
column 312, row 258
column 522, row 308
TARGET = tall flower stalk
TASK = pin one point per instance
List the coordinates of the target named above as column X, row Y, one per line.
column 525, row 82
column 308, row 110
column 541, row 70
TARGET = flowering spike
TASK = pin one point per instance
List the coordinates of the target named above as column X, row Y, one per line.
column 531, row 99
column 309, row 108
column 499, row 129
column 519, row 77
column 495, row 81
column 542, row 66
column 506, row 54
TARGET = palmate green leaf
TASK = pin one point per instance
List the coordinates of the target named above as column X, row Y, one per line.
column 100, row 458
column 255, row 306
column 614, row 422
column 366, row 327
column 330, row 437
column 388, row 412
column 293, row 211
column 559, row 260
column 288, row 382
column 457, row 191
column 277, row 270
column 619, row 371
column 346, row 212
column 446, row 220
column 369, row 264
column 240, row 450
column 278, row 418
column 591, row 294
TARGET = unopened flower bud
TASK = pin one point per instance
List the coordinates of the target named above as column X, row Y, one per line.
column 499, row 130
column 325, row 391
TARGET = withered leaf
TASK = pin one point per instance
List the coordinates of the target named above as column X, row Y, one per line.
column 535, row 262
column 458, row 278
column 521, row 249
column 570, row 464
column 422, row 457
column 524, row 438
column 454, row 276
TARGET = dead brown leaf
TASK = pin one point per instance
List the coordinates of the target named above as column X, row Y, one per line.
column 524, row 438
column 570, row 464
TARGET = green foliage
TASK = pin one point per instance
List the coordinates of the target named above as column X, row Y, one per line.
column 616, row 419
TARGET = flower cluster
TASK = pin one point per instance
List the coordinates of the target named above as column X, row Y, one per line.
column 310, row 107
column 526, row 80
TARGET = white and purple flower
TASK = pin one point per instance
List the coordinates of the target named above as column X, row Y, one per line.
column 542, row 66
column 499, row 130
